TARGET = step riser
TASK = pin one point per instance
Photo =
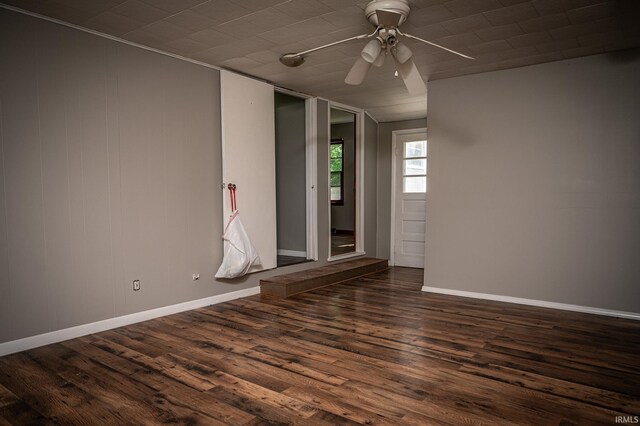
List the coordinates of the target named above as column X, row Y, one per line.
column 285, row 290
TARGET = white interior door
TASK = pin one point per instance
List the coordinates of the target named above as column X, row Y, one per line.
column 410, row 197
column 248, row 159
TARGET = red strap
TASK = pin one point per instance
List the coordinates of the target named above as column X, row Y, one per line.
column 235, row 200
column 232, row 196
column 232, row 204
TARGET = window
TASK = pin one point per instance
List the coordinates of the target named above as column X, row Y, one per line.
column 336, row 172
column 414, row 167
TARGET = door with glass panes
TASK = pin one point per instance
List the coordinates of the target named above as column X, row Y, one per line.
column 410, row 198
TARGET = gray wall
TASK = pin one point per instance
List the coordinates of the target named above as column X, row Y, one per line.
column 291, row 172
column 111, row 168
column 110, row 155
column 342, row 217
column 370, row 186
column 384, row 201
column 534, row 187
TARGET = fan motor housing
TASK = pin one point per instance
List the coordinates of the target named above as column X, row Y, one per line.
column 397, row 6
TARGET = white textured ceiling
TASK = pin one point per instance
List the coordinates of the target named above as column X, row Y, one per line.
column 250, row 35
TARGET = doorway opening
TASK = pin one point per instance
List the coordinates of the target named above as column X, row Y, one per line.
column 291, row 135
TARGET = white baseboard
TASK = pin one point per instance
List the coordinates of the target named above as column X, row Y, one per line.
column 533, row 302
column 292, row 253
column 111, row 323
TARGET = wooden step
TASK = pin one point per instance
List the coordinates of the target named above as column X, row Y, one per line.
column 283, row 286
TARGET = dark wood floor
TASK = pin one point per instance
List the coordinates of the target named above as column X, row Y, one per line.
column 373, row 350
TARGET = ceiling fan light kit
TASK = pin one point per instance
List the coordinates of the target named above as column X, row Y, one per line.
column 372, row 50
column 402, row 53
column 380, row 59
column 386, row 16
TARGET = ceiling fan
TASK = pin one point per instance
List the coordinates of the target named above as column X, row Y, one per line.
column 386, row 16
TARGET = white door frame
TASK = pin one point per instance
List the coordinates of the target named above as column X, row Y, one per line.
column 394, row 138
column 311, row 108
column 359, row 176
column 311, row 169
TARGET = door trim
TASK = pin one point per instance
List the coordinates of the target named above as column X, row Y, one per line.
column 311, row 107
column 394, row 139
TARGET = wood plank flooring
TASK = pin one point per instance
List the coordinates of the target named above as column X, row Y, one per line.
column 372, row 350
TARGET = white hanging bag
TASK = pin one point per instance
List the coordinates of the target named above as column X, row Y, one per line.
column 239, row 254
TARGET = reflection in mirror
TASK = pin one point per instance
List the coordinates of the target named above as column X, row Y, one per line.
column 342, row 165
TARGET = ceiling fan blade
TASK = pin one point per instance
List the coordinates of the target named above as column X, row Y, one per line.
column 292, row 59
column 297, row 59
column 435, row 45
column 411, row 76
column 358, row 72
column 388, row 19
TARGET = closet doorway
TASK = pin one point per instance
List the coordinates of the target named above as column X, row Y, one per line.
column 294, row 182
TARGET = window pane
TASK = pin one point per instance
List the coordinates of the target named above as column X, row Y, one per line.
column 336, row 164
column 414, row 184
column 335, row 179
column 415, row 166
column 336, row 150
column 335, row 193
column 415, row 149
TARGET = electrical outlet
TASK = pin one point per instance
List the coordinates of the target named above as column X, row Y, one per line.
column 196, row 277
column 136, row 285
